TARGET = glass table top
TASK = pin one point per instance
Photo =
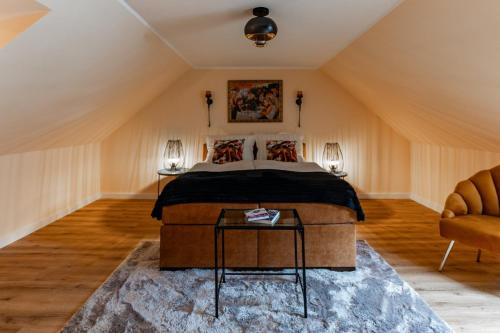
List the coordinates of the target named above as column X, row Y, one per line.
column 235, row 219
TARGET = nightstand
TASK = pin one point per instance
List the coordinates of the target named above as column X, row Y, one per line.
column 169, row 172
column 340, row 175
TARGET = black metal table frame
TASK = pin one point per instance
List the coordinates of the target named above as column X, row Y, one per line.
column 299, row 228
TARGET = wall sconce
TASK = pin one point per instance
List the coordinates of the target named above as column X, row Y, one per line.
column 333, row 160
column 210, row 101
column 173, row 156
column 298, row 101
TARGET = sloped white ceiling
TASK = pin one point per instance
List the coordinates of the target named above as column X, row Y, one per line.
column 210, row 33
column 16, row 16
column 431, row 69
column 78, row 74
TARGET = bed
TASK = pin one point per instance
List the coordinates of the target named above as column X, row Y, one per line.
column 189, row 206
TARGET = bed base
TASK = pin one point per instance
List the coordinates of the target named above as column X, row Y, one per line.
column 186, row 238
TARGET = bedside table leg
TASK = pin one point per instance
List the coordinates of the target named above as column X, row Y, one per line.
column 158, row 195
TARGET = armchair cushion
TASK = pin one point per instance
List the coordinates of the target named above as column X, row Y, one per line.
column 471, row 196
column 480, row 231
column 483, row 181
column 455, row 206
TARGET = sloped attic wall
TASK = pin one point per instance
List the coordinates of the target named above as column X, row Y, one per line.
column 431, row 69
column 78, row 74
column 68, row 81
column 41, row 186
column 16, row 16
column 377, row 158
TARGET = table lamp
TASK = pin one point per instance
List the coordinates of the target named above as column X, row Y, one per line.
column 333, row 160
column 173, row 156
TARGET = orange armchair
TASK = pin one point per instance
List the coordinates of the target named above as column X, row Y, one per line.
column 472, row 214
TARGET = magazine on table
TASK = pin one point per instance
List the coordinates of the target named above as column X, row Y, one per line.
column 262, row 216
column 256, row 214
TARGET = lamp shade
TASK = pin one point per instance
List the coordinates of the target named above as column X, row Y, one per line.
column 173, row 156
column 333, row 160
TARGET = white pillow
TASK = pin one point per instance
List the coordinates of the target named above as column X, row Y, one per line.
column 261, row 140
column 247, row 145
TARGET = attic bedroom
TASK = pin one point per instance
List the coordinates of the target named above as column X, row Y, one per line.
column 242, row 166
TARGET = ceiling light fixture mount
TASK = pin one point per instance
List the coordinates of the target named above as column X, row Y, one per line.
column 260, row 29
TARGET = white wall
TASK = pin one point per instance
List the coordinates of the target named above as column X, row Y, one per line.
column 39, row 187
column 436, row 170
column 377, row 158
column 67, row 82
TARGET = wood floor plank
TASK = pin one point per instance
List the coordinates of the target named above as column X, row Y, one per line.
column 48, row 275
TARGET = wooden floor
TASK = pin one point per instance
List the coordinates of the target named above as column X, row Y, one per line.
column 47, row 276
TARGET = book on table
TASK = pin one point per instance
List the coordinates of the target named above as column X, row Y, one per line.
column 262, row 216
column 256, row 214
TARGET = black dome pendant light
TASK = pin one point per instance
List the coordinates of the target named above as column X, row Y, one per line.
column 260, row 29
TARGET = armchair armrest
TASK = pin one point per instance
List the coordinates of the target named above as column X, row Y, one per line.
column 455, row 206
column 447, row 214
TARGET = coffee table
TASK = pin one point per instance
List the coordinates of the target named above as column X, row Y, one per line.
column 234, row 219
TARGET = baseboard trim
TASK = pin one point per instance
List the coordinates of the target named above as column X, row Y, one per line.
column 125, row 195
column 391, row 195
column 28, row 229
column 427, row 203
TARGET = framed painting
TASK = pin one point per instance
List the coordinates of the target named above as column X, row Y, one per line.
column 255, row 101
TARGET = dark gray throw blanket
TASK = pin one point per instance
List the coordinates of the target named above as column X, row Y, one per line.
column 258, row 186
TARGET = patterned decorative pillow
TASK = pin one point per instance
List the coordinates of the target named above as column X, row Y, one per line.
column 226, row 151
column 281, row 150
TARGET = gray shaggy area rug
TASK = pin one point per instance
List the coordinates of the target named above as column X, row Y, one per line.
column 138, row 297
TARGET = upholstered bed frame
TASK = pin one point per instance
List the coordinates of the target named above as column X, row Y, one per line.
column 187, row 237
